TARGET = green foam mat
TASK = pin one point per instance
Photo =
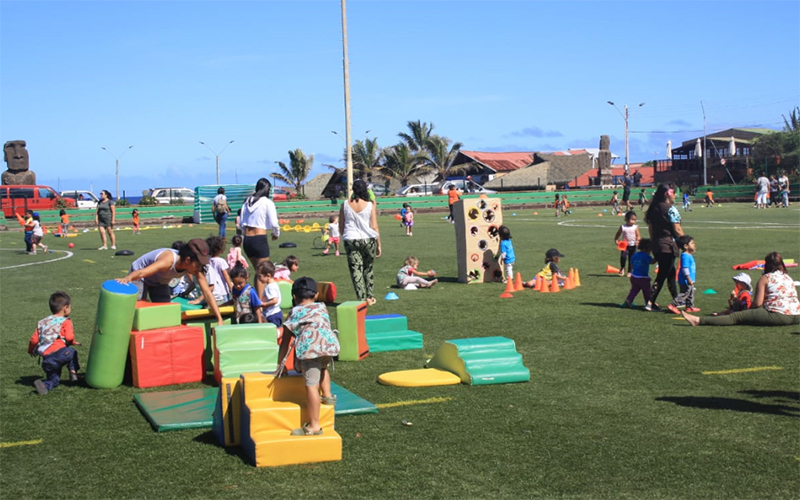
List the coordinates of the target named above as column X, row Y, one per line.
column 394, row 341
column 185, row 305
column 482, row 361
column 173, row 410
column 348, row 403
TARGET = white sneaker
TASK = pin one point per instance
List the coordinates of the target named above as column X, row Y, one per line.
column 103, row 248
column 113, row 247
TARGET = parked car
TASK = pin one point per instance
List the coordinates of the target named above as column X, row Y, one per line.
column 463, row 185
column 281, row 194
column 17, row 199
column 83, row 199
column 167, row 195
column 378, row 189
column 417, row 190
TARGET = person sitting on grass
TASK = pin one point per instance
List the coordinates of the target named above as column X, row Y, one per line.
column 408, row 275
column 550, row 270
column 51, row 340
column 315, row 346
column 741, row 299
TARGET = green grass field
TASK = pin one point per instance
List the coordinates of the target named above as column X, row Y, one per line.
column 618, row 406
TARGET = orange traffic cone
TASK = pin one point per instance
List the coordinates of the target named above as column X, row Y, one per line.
column 571, row 273
column 612, row 270
column 569, row 283
column 577, row 277
column 509, row 286
column 541, row 285
column 506, row 295
column 518, row 283
column 554, row 285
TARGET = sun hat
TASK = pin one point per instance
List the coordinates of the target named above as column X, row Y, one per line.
column 743, row 278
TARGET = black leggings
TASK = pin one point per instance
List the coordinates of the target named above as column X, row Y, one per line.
column 666, row 272
column 625, row 257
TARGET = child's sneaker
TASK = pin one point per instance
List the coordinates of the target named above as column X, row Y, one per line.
column 44, row 248
column 625, row 305
column 103, row 248
column 73, row 377
column 337, row 253
column 652, row 307
column 40, row 387
column 692, row 309
column 113, row 247
column 673, row 309
column 325, row 252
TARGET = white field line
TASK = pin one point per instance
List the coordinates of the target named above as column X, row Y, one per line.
column 67, row 256
column 692, row 224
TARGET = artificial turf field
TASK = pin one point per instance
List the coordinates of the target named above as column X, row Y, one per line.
column 621, row 403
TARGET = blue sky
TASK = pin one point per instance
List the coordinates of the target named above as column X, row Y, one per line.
column 76, row 76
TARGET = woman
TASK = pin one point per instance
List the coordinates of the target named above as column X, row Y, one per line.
column 358, row 225
column 774, row 303
column 105, row 217
column 664, row 223
column 258, row 216
column 152, row 272
column 221, row 210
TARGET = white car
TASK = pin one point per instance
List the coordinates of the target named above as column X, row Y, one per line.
column 165, row 196
column 417, row 190
column 83, row 199
column 465, row 186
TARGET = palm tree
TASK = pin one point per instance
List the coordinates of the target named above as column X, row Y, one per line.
column 419, row 133
column 298, row 170
column 367, row 158
column 439, row 156
column 401, row 163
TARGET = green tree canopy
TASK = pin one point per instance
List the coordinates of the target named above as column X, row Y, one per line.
column 297, row 172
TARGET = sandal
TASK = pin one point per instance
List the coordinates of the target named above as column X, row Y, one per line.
column 371, row 301
column 305, row 431
column 328, row 401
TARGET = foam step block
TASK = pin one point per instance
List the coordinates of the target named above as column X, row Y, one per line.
column 327, row 292
column 166, row 356
column 244, row 348
column 194, row 314
column 350, row 320
column 482, row 361
column 151, row 315
column 228, row 412
column 276, row 448
column 285, row 287
column 112, row 328
column 385, row 323
column 208, row 325
column 394, row 341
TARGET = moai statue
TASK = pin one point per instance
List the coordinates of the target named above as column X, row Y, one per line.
column 16, row 157
column 604, row 161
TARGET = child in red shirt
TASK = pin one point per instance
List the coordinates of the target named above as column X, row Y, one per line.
column 135, row 218
column 741, row 297
column 51, row 341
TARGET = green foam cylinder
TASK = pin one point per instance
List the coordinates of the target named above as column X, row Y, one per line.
column 112, row 332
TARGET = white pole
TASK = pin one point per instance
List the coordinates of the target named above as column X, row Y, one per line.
column 346, row 64
column 626, row 138
column 705, row 169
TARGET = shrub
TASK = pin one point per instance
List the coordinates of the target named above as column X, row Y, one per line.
column 148, row 201
column 123, row 202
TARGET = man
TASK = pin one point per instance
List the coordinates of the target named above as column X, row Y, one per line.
column 16, row 157
column 637, row 178
column 626, row 190
column 452, row 197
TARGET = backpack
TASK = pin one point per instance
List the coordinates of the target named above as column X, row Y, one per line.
column 49, row 331
column 221, row 207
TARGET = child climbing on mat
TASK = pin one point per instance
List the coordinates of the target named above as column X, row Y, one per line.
column 506, row 256
column 284, row 270
column 408, row 275
column 333, row 235
column 640, row 273
column 630, row 235
column 64, row 221
column 270, row 294
column 235, row 254
column 741, row 297
column 245, row 297
column 135, row 219
column 550, row 270
column 315, row 346
column 52, row 340
column 686, row 276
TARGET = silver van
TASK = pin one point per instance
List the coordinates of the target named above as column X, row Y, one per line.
column 465, row 186
column 418, row 190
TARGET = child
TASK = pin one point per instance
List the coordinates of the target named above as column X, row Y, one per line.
column 408, row 221
column 333, row 234
column 709, row 198
column 686, row 202
column 507, row 257
column 550, row 269
column 284, row 270
column 38, row 234
column 29, row 248
column 640, row 274
column 235, row 254
column 315, row 347
column 219, row 278
column 403, row 214
column 642, row 199
column 270, row 294
column 408, row 275
column 565, row 205
column 686, row 276
column 238, row 222
column 557, row 204
column 630, row 234
column 51, row 341
column 741, row 297
column 135, row 218
column 245, row 297
column 615, row 204
column 64, row 221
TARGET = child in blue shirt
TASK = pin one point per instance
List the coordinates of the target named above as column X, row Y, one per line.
column 640, row 273
column 686, row 276
column 686, row 202
column 506, row 257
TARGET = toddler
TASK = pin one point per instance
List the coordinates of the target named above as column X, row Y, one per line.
column 557, row 204
column 408, row 275
column 315, row 347
column 642, row 199
column 219, row 279
column 51, row 340
column 615, row 204
column 408, row 220
column 245, row 297
column 238, row 223
column 64, row 221
column 550, row 269
column 235, row 254
column 333, row 235
column 686, row 276
column 741, row 297
column 640, row 273
column 506, row 257
column 565, row 205
column 270, row 294
column 686, row 202
column 709, row 198
column 28, row 226
column 284, row 270
column 38, row 234
column 135, row 219
column 630, row 234
column 403, row 214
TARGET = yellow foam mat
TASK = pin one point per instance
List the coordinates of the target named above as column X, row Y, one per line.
column 204, row 313
column 424, row 377
column 275, row 448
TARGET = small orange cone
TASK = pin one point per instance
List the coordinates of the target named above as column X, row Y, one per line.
column 571, row 273
column 509, row 286
column 612, row 270
column 506, row 295
column 554, row 285
column 569, row 283
column 541, row 285
column 518, row 283
column 577, row 277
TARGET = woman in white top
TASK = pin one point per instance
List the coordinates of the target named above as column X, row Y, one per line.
column 259, row 216
column 358, row 225
column 221, row 210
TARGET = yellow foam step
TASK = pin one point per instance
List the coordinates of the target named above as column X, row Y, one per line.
column 259, row 385
column 285, row 416
column 275, row 448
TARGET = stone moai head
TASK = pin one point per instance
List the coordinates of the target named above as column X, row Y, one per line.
column 605, row 142
column 16, row 156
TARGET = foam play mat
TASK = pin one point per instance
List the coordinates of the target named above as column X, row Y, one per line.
column 348, row 403
column 173, row 410
column 423, row 377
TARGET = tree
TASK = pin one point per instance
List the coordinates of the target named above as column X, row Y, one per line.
column 419, row 133
column 367, row 158
column 439, row 156
column 297, row 172
column 401, row 163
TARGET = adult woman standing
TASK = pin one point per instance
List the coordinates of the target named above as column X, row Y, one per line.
column 258, row 217
column 221, row 210
column 152, row 272
column 774, row 303
column 105, row 217
column 358, row 225
column 664, row 223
